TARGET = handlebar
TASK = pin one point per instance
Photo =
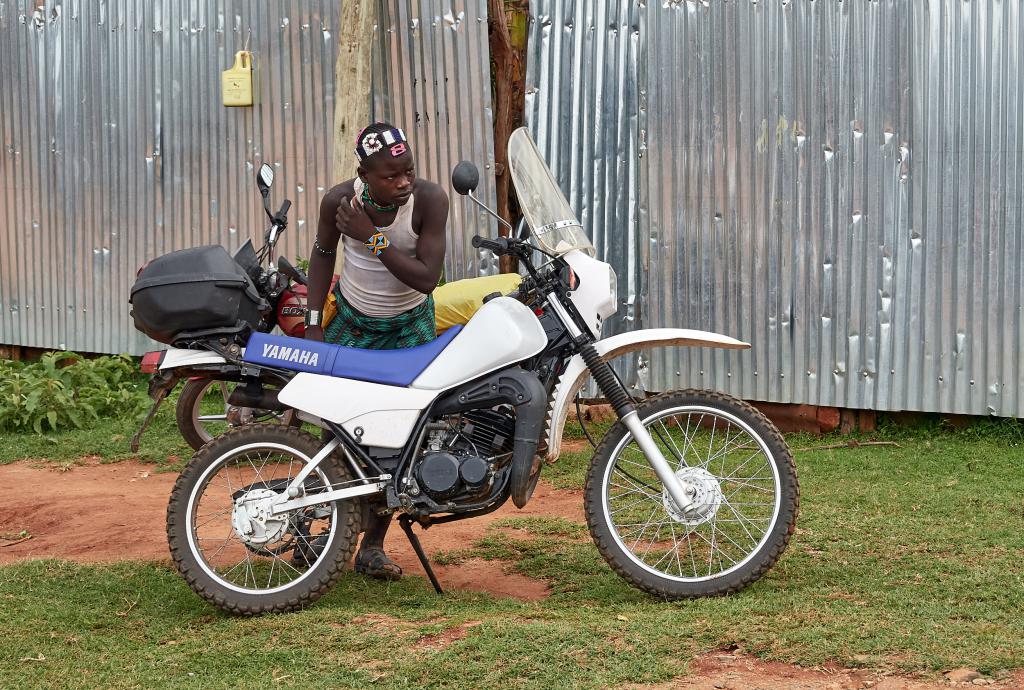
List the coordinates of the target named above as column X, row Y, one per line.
column 297, row 275
column 279, row 221
column 499, row 246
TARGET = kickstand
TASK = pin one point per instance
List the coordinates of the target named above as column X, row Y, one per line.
column 406, row 522
column 161, row 394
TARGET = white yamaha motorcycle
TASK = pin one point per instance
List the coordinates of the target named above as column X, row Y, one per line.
column 690, row 494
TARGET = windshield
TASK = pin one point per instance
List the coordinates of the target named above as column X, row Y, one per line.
column 245, row 256
column 552, row 222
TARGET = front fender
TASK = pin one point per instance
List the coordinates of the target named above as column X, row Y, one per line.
column 576, row 373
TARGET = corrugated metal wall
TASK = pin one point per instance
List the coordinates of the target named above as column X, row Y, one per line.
column 841, row 184
column 436, row 81
column 581, row 104
column 838, row 183
column 116, row 148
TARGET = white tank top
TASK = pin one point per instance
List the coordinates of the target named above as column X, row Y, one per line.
column 365, row 282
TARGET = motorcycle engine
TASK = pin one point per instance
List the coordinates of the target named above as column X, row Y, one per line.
column 460, row 461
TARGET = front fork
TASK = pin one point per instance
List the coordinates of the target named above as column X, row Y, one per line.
column 626, row 410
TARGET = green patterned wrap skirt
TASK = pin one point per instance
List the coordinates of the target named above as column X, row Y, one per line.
column 352, row 328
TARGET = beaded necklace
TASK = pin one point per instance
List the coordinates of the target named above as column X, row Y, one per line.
column 383, row 208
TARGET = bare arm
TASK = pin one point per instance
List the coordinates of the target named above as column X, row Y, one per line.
column 321, row 265
column 420, row 272
column 424, row 270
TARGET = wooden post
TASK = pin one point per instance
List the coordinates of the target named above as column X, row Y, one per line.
column 352, row 80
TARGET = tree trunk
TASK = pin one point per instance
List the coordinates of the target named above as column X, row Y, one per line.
column 352, row 89
column 509, row 77
column 352, row 81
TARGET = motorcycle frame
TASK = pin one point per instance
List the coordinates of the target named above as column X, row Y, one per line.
column 563, row 361
column 587, row 355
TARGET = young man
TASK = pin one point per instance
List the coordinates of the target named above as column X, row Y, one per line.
column 392, row 226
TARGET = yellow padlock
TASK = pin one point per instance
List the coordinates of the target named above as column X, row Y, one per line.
column 236, row 83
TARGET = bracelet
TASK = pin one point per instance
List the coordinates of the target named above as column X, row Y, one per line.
column 325, row 252
column 312, row 317
column 377, row 243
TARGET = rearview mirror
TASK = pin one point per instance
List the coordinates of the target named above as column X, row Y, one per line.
column 465, row 178
column 264, row 179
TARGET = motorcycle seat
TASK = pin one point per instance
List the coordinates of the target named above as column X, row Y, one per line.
column 388, row 367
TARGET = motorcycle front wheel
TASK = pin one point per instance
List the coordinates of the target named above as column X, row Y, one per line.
column 228, row 545
column 203, row 412
column 736, row 467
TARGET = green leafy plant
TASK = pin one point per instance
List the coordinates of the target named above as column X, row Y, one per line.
column 63, row 390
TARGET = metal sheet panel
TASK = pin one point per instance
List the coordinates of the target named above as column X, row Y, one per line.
column 116, row 148
column 581, row 106
column 434, row 81
column 837, row 183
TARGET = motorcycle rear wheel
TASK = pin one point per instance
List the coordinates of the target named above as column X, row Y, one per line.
column 229, row 548
column 739, row 472
column 202, row 412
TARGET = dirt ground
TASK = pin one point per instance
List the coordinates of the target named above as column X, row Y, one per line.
column 72, row 518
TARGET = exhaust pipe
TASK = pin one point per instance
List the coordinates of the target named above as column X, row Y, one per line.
column 254, row 395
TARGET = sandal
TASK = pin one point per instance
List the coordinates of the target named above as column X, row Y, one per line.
column 372, row 561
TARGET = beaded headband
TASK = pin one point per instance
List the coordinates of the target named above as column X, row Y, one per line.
column 392, row 140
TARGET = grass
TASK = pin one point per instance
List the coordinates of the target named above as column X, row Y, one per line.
column 906, row 558
column 161, row 444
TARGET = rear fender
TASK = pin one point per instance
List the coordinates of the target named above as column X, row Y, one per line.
column 576, row 373
column 176, row 358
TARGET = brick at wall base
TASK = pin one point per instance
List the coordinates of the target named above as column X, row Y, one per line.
column 810, row 418
column 787, row 417
column 13, row 352
column 817, row 420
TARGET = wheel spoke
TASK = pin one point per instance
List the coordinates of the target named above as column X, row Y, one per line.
column 637, row 486
column 666, row 439
column 270, row 576
column 226, row 541
column 726, row 450
column 642, row 526
column 740, row 522
column 716, row 455
column 256, row 566
column 648, row 524
column 688, row 437
column 212, row 518
column 675, row 544
column 711, row 441
column 744, row 485
column 634, row 503
column 643, row 465
column 719, row 530
column 744, row 463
